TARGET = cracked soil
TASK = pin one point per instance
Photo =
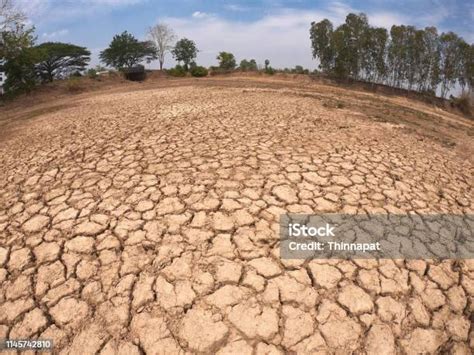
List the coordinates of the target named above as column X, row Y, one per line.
column 145, row 220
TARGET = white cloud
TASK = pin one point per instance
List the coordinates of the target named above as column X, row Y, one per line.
column 237, row 8
column 47, row 11
column 55, row 34
column 282, row 36
column 199, row 14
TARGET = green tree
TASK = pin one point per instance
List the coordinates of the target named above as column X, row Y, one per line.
column 450, row 61
column 466, row 70
column 374, row 53
column 248, row 65
column 321, row 35
column 61, row 59
column 20, row 59
column 428, row 78
column 125, row 51
column 16, row 51
column 343, row 55
column 226, row 61
column 185, row 51
column 470, row 68
column 400, row 54
column 355, row 32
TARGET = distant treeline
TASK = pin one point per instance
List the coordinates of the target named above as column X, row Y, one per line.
column 407, row 57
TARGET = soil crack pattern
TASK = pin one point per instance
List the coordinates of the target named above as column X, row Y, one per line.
column 148, row 222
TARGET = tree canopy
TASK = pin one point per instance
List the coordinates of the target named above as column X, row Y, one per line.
column 59, row 60
column 226, row 61
column 125, row 51
column 185, row 51
column 248, row 65
column 407, row 57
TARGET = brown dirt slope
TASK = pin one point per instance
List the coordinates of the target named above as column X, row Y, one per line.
column 145, row 219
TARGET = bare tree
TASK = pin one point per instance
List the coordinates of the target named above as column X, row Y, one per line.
column 163, row 38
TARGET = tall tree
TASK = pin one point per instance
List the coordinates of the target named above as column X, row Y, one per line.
column 343, row 56
column 470, row 69
column 466, row 70
column 61, row 59
column 450, row 50
column 416, row 59
column 163, row 38
column 125, row 51
column 428, row 78
column 355, row 30
column 374, row 53
column 185, row 51
column 226, row 61
column 321, row 34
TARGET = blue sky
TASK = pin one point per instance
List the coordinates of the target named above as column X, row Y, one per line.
column 273, row 29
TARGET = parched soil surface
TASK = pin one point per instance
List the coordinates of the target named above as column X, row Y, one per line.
column 146, row 220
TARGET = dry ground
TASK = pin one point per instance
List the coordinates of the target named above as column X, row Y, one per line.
column 144, row 219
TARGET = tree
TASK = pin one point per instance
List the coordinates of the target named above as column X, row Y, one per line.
column 470, row 68
column 267, row 63
column 11, row 19
column 185, row 51
column 61, row 59
column 20, row 59
column 226, row 61
column 466, row 72
column 14, row 34
column 355, row 30
column 374, row 53
column 248, row 65
column 163, row 38
column 416, row 59
column 450, row 50
column 321, row 36
column 428, row 78
column 16, row 41
column 125, row 51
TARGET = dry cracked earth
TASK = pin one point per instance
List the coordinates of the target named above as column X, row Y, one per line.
column 146, row 222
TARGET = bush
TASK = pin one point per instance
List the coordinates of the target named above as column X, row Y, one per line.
column 464, row 104
column 74, row 85
column 199, row 71
column 177, row 71
column 269, row 71
column 92, row 73
column 219, row 71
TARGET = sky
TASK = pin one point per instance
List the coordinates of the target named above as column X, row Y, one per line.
column 261, row 29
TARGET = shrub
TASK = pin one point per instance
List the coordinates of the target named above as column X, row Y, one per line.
column 199, row 71
column 74, row 84
column 177, row 71
column 269, row 71
column 92, row 73
column 219, row 71
column 464, row 104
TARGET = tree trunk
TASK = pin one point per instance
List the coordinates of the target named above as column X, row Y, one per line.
column 161, row 65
